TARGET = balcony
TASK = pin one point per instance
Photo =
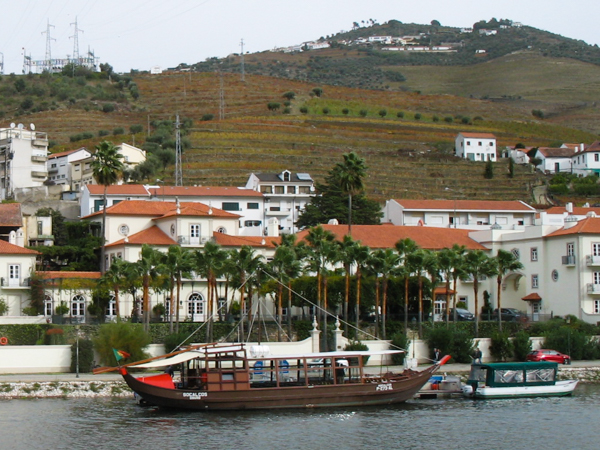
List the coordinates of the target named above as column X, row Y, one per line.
column 39, row 158
column 183, row 239
column 568, row 260
column 15, row 283
column 591, row 260
column 593, row 289
column 38, row 174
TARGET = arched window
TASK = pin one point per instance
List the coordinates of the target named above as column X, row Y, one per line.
column 78, row 306
column 196, row 307
column 111, row 308
column 48, row 309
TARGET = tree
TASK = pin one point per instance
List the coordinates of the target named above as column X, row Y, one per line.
column 362, row 254
column 209, row 262
column 488, row 174
column 416, row 261
column 347, row 249
column 106, row 170
column 386, row 262
column 148, row 269
column 506, row 262
column 177, row 265
column 317, row 91
column 286, row 266
column 405, row 248
column 347, row 206
column 478, row 264
column 246, row 262
column 114, row 278
column 289, row 95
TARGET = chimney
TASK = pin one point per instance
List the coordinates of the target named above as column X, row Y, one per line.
column 569, row 207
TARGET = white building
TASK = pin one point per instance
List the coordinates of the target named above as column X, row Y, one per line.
column 16, row 266
column 587, row 161
column 476, row 146
column 555, row 160
column 465, row 214
column 23, row 156
column 286, row 194
column 71, row 168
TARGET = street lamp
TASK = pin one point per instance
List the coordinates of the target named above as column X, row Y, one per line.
column 77, row 351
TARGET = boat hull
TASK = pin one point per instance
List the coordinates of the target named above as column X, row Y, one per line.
column 560, row 389
column 382, row 392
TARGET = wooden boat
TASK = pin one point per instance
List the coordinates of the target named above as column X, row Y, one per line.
column 224, row 377
column 519, row 379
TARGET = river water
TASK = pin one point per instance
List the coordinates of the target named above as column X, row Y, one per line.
column 456, row 423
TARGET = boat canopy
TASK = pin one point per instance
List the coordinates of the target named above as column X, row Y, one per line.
column 176, row 359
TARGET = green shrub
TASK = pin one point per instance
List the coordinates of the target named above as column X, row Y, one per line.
column 418, row 116
column 134, row 129
column 302, row 329
column 103, row 133
column 207, row 117
column 399, row 341
column 400, row 114
column 303, row 109
column 451, row 341
column 108, row 107
column 125, row 336
column 572, row 342
column 501, row 348
column 86, row 356
column 521, row 345
column 382, row 113
column 363, row 113
column 357, row 346
column 119, row 130
column 345, row 111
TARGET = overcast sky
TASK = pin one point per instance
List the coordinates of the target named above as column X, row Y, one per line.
column 140, row 34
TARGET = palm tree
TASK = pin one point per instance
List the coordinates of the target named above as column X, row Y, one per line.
column 446, row 262
column 246, row 262
column 322, row 251
column 405, row 248
column 177, row 265
column 285, row 266
column 350, row 175
column 291, row 257
column 361, row 256
column 458, row 272
column 506, row 262
column 106, row 170
column 416, row 260
column 115, row 278
column 478, row 264
column 347, row 251
column 386, row 262
column 431, row 265
column 209, row 262
column 148, row 269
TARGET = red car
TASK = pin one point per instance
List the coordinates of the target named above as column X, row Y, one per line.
column 548, row 355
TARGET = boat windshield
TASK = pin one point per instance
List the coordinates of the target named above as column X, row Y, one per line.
column 540, row 375
column 478, row 373
column 508, row 376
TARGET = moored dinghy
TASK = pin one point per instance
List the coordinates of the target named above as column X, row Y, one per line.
column 517, row 379
column 224, row 377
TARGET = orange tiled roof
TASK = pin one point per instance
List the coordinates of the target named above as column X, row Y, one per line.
column 561, row 152
column 118, row 189
column 203, row 191
column 590, row 225
column 386, row 236
column 577, row 210
column 227, row 240
column 65, row 153
column 160, row 209
column 150, row 236
column 472, row 205
column 593, row 147
column 532, row 297
column 53, row 274
column 7, row 248
column 478, row 135
column 10, row 215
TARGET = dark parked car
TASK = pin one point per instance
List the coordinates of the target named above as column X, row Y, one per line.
column 548, row 355
column 509, row 315
column 461, row 315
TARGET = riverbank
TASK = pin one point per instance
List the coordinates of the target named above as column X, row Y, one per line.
column 69, row 385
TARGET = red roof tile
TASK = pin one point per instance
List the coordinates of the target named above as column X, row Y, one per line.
column 226, row 240
column 471, row 205
column 49, row 274
column 7, row 248
column 590, row 225
column 203, row 191
column 65, row 153
column 577, row 210
column 532, row 297
column 10, row 215
column 150, row 236
column 118, row 189
column 159, row 209
column 386, row 236
column 478, row 135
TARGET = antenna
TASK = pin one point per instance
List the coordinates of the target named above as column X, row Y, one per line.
column 76, row 42
column 32, row 126
column 178, row 172
column 48, row 61
column 242, row 60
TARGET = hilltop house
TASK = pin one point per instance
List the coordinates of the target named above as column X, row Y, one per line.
column 586, row 161
column 554, row 160
column 476, row 146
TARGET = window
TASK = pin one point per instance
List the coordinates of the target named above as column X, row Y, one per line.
column 78, row 306
column 286, row 176
column 491, row 144
column 266, row 189
column 279, row 189
column 252, row 206
column 48, row 310
column 516, row 253
column 596, row 157
column 231, row 206
column 291, row 189
column 555, row 275
column 40, row 228
column 195, row 306
column 252, row 223
column 596, row 277
column 14, row 274
column 536, row 307
column 76, row 167
column 222, row 305
column 468, row 142
column 480, row 144
column 534, row 253
column 194, row 233
column 596, row 306
column 304, row 190
column 222, row 230
column 570, row 249
column 535, row 281
column 596, row 248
